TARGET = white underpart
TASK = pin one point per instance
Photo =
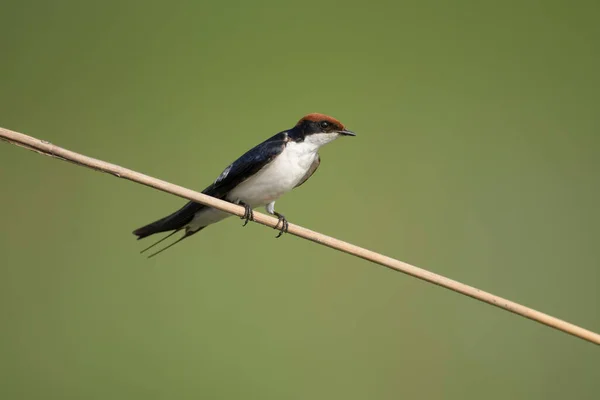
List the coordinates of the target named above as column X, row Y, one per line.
column 271, row 182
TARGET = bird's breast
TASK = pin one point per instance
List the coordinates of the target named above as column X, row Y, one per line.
column 278, row 177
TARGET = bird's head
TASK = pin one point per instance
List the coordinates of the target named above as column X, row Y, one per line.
column 319, row 129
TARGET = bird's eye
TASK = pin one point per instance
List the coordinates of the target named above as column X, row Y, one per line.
column 324, row 124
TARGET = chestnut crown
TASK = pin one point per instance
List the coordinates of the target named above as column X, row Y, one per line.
column 321, row 123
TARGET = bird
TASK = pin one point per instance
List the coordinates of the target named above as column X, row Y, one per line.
column 258, row 178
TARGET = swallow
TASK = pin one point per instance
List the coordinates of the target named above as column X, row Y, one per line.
column 258, row 178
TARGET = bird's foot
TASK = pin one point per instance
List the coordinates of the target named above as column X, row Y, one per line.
column 284, row 224
column 248, row 213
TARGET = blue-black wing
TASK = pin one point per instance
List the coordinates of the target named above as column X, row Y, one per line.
column 247, row 165
column 237, row 172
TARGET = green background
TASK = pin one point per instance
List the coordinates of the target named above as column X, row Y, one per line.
column 477, row 157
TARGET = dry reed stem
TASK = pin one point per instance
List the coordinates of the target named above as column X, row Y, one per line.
column 46, row 148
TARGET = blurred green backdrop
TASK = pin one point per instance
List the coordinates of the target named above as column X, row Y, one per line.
column 477, row 157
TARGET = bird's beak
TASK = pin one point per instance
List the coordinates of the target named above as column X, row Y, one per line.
column 347, row 133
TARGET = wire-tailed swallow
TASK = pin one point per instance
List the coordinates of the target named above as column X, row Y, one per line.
column 258, row 178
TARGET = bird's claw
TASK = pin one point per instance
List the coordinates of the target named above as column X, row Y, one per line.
column 248, row 214
column 284, row 225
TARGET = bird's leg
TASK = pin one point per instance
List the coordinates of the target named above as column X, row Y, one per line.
column 284, row 223
column 248, row 213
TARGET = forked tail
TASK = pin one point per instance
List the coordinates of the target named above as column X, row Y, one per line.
column 176, row 221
